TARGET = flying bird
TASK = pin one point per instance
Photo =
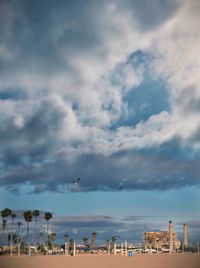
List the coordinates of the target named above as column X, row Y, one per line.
column 107, row 217
column 76, row 181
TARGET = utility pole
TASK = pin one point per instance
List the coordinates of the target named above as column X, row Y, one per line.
column 125, row 247
column 115, row 248
column 74, row 251
column 65, row 248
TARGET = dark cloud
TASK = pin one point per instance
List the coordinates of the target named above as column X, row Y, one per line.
column 38, row 33
column 137, row 218
column 13, row 94
column 132, row 170
column 151, row 14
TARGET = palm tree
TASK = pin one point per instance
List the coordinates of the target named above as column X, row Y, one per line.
column 71, row 244
column 18, row 237
column 52, row 238
column 3, row 229
column 94, row 237
column 5, row 213
column 18, row 227
column 9, row 237
column 66, row 237
column 28, row 218
column 108, row 246
column 47, row 217
column 4, row 221
column 85, row 241
column 13, row 216
column 114, row 239
column 36, row 213
column 107, row 242
column 15, row 238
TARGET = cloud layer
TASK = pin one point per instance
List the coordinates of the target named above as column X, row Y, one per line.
column 108, row 92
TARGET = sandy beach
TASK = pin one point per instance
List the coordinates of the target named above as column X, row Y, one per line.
column 97, row 261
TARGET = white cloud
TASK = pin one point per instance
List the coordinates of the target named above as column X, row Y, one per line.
column 79, row 72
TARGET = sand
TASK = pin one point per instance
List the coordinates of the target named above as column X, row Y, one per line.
column 96, row 261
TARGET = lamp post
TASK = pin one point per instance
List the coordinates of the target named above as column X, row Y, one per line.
column 74, row 250
column 122, row 249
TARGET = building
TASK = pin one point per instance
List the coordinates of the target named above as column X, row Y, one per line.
column 162, row 239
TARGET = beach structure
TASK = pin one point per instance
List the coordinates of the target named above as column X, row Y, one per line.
column 162, row 239
column 126, row 247
column 74, row 249
column 115, row 247
column 185, row 238
column 171, row 244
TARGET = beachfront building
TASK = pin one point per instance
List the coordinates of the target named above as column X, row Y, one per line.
column 162, row 240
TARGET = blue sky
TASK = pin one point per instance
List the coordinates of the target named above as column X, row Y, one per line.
column 107, row 91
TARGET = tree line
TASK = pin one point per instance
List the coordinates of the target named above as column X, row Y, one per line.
column 13, row 234
column 28, row 217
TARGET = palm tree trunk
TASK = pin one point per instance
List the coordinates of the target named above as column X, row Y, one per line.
column 109, row 249
column 48, row 231
column 2, row 241
column 18, row 248
column 47, row 227
column 35, row 231
column 47, row 235
column 27, row 231
column 28, row 238
column 11, row 244
column 5, row 232
column 65, row 248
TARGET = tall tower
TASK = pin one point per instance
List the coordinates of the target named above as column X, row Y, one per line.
column 170, row 236
column 185, row 238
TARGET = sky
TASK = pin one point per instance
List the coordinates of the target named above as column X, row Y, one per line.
column 108, row 92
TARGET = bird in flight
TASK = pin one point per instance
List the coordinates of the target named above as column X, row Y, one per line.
column 120, row 187
column 107, row 217
column 76, row 181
